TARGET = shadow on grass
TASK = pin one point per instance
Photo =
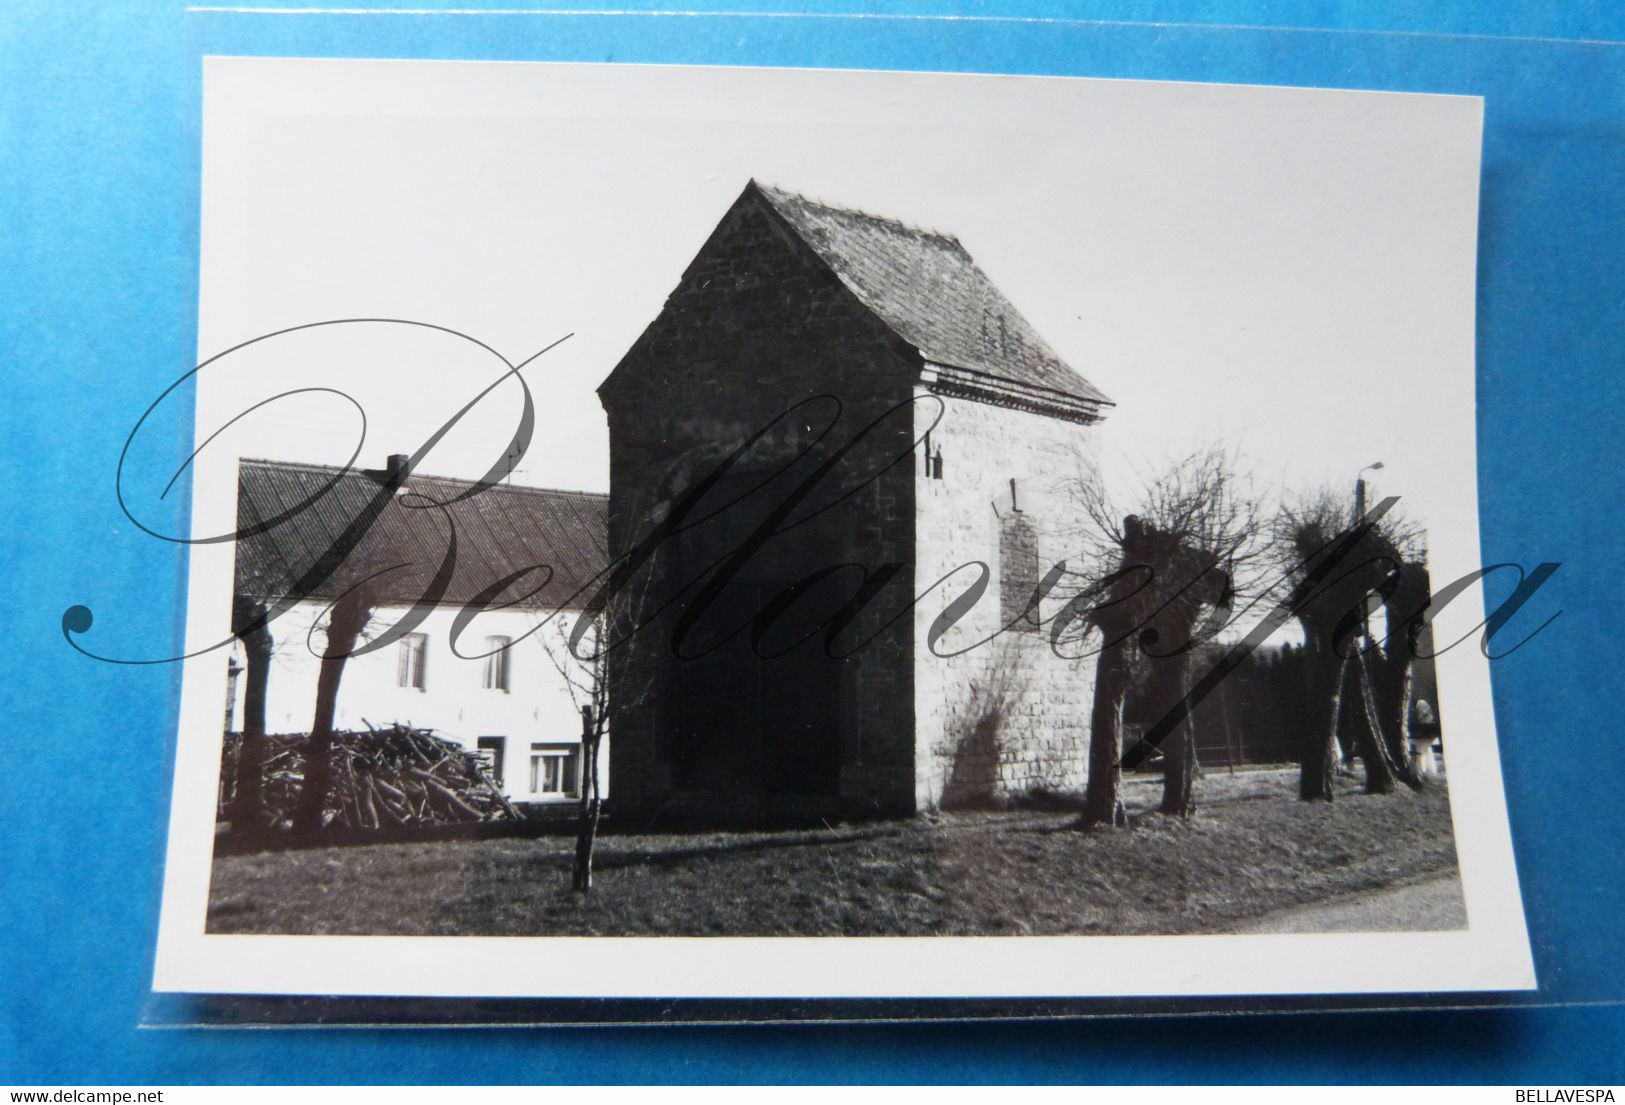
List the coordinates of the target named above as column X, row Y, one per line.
column 616, row 858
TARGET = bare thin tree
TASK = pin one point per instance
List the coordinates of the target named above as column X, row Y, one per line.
column 599, row 685
column 586, row 675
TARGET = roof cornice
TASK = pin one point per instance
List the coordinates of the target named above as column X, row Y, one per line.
column 981, row 387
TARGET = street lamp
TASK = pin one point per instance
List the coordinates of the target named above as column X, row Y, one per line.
column 1359, row 490
column 1365, row 608
column 1359, row 516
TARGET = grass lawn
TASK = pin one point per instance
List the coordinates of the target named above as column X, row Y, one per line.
column 1251, row 849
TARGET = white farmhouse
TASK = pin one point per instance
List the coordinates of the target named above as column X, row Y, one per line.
column 498, row 686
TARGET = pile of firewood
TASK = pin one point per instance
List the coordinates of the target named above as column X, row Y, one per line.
column 395, row 777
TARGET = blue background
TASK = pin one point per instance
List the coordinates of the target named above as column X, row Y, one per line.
column 99, row 170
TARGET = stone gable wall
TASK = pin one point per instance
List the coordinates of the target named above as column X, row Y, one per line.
column 1008, row 718
column 757, row 324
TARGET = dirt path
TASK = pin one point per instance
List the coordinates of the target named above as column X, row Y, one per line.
column 1428, row 906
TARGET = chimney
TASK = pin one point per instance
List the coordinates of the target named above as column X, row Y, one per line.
column 392, row 473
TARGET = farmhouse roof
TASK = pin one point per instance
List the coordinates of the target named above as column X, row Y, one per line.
column 499, row 530
column 926, row 287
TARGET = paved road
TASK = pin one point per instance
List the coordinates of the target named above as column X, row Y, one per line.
column 1418, row 907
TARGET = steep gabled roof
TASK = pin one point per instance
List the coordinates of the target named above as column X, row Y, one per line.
column 500, row 530
column 929, row 291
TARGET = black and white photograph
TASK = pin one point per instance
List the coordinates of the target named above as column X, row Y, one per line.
column 749, row 532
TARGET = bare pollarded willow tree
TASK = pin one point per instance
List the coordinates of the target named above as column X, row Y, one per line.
column 1163, row 573
column 347, row 621
column 250, row 624
column 1339, row 566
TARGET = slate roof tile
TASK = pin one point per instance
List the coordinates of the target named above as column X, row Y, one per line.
column 927, row 288
column 499, row 531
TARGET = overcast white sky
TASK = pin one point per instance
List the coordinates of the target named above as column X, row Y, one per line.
column 1291, row 271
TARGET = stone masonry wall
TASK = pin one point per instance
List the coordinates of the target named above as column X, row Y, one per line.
column 756, row 325
column 1008, row 717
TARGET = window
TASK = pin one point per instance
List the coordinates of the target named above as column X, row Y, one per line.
column 409, row 667
column 1018, row 572
column 496, row 663
column 554, row 769
column 495, row 750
